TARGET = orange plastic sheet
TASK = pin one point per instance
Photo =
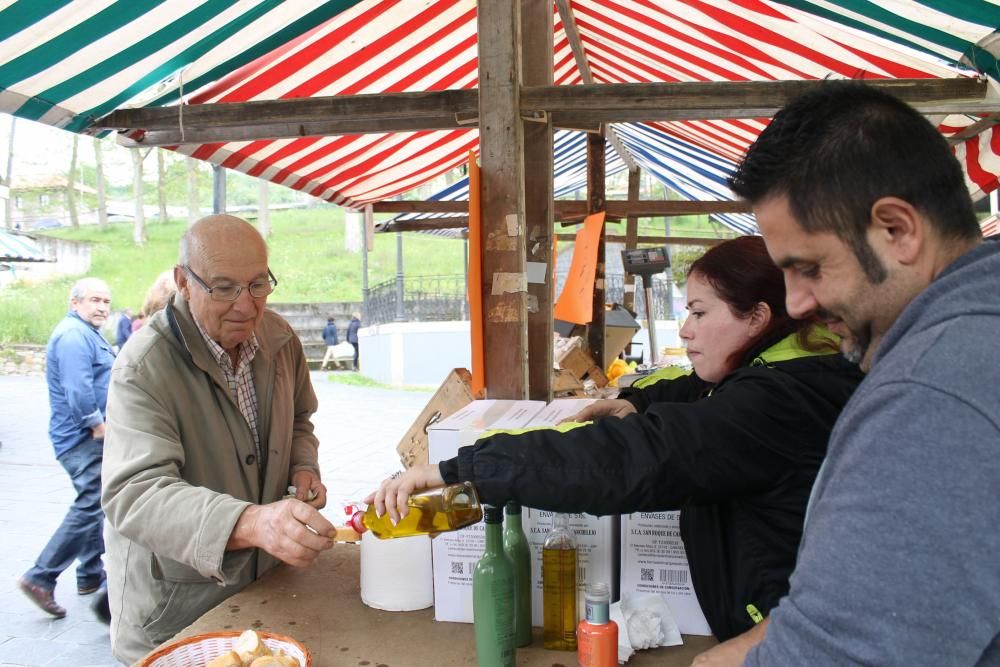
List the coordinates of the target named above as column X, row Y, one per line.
column 475, row 286
column 576, row 302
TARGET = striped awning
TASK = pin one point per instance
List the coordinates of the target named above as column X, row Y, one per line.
column 19, row 248
column 69, row 63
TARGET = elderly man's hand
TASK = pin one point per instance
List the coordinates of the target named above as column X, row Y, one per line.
column 393, row 493
column 289, row 530
column 611, row 407
column 305, row 482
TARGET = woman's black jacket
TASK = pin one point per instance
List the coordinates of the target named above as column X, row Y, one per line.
column 739, row 463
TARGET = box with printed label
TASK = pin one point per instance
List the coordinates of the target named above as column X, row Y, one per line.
column 455, row 553
column 653, row 560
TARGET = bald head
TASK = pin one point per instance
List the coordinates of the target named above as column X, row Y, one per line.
column 213, row 234
column 217, row 254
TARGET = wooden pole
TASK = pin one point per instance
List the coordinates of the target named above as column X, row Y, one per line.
column 595, row 203
column 501, row 139
column 536, row 64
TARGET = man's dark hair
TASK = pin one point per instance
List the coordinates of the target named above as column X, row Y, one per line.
column 837, row 149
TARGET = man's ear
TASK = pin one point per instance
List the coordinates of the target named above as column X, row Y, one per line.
column 897, row 229
column 181, row 280
column 759, row 318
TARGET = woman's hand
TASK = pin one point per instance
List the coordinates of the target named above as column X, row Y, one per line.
column 611, row 407
column 394, row 491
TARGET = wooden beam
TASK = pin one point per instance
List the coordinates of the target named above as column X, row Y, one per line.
column 596, row 162
column 653, row 240
column 422, row 225
column 501, row 139
column 736, row 99
column 373, row 108
column 975, row 129
column 536, row 69
column 653, row 208
column 568, row 208
column 428, row 206
column 569, row 106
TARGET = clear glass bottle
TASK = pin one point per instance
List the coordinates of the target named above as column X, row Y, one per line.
column 597, row 634
column 559, row 586
column 493, row 598
column 433, row 511
column 515, row 544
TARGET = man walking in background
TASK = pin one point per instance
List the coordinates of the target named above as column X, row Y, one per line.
column 352, row 335
column 78, row 369
column 330, row 338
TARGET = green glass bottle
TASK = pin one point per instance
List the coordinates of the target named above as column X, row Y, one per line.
column 515, row 543
column 493, row 598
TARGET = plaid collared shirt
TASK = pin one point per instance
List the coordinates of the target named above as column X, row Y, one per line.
column 240, row 380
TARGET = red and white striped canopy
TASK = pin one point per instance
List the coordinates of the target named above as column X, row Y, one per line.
column 70, row 63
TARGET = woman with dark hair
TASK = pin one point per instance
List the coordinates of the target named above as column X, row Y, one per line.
column 736, row 446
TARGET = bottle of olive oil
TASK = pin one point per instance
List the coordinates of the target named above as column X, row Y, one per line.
column 559, row 586
column 515, row 544
column 433, row 511
column 493, row 598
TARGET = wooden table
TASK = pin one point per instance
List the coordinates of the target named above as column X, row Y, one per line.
column 321, row 607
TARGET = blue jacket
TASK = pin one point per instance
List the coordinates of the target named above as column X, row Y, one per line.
column 124, row 330
column 78, row 368
column 899, row 558
column 330, row 334
column 352, row 330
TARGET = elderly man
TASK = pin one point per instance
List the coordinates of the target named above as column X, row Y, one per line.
column 78, row 367
column 864, row 207
column 208, row 424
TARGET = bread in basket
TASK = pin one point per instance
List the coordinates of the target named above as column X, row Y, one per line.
column 199, row 650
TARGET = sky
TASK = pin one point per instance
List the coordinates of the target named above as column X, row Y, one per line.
column 42, row 149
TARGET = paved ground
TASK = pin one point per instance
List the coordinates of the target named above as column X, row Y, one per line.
column 358, row 430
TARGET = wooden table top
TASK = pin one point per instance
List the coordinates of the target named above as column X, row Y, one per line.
column 321, row 607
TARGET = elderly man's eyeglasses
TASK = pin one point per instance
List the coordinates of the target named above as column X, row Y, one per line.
column 227, row 292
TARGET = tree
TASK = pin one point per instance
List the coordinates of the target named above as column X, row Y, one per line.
column 139, row 226
column 7, row 179
column 74, row 213
column 102, row 200
column 263, row 211
column 192, row 178
column 161, row 186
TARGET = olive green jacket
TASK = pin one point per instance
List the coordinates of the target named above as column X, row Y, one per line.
column 180, row 467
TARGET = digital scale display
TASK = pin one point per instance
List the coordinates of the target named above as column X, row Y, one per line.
column 646, row 261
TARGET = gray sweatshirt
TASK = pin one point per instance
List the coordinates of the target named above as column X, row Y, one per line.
column 900, row 560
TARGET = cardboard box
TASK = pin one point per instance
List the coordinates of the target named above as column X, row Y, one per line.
column 455, row 554
column 559, row 409
column 653, row 560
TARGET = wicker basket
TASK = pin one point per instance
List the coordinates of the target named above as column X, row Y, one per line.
column 196, row 651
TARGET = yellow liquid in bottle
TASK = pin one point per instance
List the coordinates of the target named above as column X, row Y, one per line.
column 559, row 599
column 438, row 511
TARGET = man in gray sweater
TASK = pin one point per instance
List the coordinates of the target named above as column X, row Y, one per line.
column 866, row 210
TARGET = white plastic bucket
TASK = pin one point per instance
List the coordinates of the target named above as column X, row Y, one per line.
column 397, row 574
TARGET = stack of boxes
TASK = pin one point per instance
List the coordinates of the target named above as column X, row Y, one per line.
column 641, row 552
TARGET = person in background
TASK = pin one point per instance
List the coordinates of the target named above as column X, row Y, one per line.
column 209, row 422
column 352, row 335
column 866, row 210
column 78, row 368
column 157, row 295
column 330, row 338
column 735, row 446
column 124, row 327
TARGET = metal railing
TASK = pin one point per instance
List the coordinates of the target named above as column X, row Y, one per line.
column 425, row 299
column 443, row 298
